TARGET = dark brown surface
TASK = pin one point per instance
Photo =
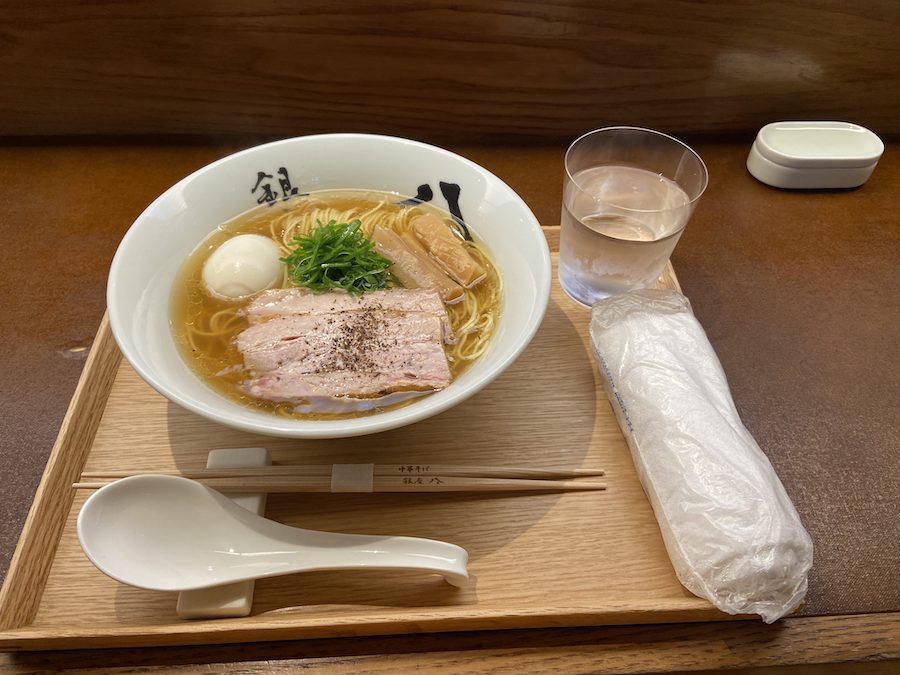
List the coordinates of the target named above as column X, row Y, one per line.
column 796, row 291
column 745, row 647
column 526, row 68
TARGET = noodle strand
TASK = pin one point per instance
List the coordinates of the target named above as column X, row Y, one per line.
column 210, row 326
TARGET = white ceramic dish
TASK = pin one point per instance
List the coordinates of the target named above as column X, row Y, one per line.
column 814, row 155
column 151, row 253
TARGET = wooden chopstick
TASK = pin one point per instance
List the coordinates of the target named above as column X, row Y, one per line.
column 399, row 470
column 422, row 483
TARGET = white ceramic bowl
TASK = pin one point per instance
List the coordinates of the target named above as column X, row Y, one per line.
column 159, row 241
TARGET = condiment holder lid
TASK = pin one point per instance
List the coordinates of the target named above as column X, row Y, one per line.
column 814, row 154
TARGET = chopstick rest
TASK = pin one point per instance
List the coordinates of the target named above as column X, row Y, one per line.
column 230, row 600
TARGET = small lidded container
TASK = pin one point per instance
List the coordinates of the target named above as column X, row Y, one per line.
column 811, row 155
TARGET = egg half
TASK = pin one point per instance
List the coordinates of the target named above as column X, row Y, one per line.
column 242, row 266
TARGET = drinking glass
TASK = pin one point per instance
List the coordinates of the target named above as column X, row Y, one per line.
column 628, row 195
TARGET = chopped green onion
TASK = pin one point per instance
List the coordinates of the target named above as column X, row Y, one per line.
column 337, row 256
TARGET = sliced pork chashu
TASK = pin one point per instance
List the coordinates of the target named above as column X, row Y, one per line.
column 302, row 347
column 292, row 301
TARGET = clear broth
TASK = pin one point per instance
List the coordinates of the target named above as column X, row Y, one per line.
column 205, row 328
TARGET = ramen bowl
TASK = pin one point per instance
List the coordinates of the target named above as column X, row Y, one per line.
column 150, row 256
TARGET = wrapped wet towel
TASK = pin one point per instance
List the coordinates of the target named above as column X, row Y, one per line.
column 729, row 527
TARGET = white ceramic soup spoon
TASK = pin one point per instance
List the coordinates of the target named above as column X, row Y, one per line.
column 167, row 533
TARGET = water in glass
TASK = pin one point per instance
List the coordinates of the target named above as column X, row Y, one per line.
column 619, row 227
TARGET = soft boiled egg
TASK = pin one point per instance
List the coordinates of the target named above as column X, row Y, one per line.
column 242, row 266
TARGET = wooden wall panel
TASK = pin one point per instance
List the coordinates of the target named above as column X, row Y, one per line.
column 433, row 69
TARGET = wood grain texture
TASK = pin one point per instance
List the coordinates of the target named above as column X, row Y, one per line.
column 517, row 68
column 837, row 645
column 21, row 592
column 758, row 288
column 537, row 559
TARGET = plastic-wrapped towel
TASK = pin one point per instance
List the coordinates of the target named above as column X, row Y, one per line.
column 729, row 527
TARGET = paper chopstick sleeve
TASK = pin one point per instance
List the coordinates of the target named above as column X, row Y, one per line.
column 353, row 478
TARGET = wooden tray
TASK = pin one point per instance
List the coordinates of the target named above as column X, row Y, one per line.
column 538, row 559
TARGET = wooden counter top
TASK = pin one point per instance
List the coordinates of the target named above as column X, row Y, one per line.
column 795, row 289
